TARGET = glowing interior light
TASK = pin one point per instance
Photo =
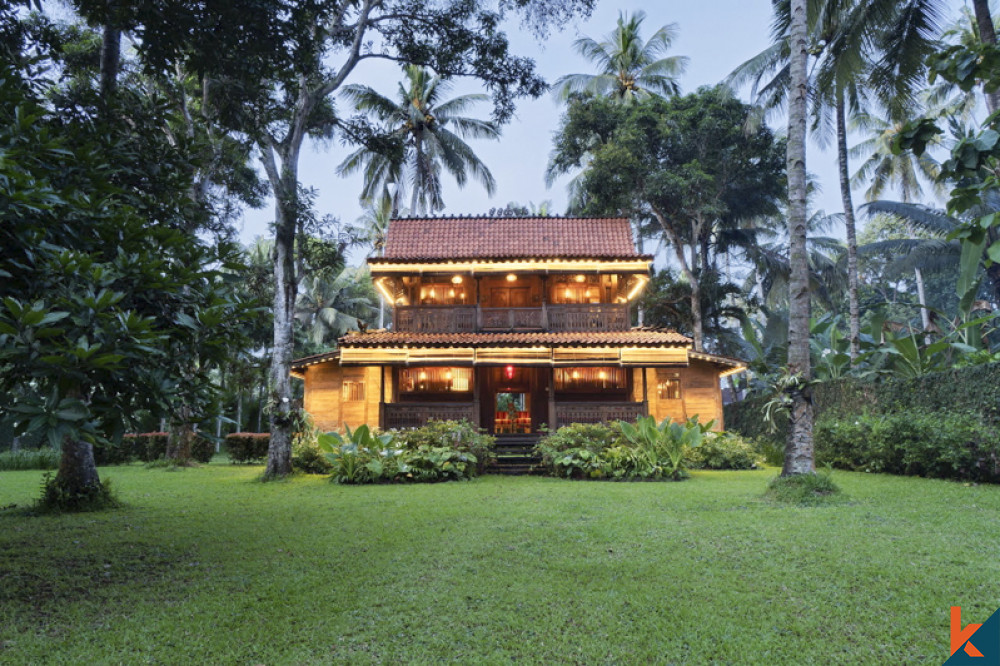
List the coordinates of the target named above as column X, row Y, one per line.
column 447, row 375
column 451, row 293
column 576, row 375
column 580, row 278
column 457, row 279
column 509, row 372
column 603, row 375
column 433, row 295
column 423, row 375
column 511, row 277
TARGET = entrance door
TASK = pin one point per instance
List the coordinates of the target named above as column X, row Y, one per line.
column 514, row 399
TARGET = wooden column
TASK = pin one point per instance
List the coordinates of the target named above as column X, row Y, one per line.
column 553, row 423
column 477, row 412
column 645, row 395
column 381, row 402
column 545, row 302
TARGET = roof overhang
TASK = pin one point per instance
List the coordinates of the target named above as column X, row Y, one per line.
column 381, row 266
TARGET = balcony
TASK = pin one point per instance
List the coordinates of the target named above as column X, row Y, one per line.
column 471, row 319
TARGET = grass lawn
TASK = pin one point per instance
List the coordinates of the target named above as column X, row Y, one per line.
column 206, row 566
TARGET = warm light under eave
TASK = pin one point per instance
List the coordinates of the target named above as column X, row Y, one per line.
column 642, row 282
column 380, row 285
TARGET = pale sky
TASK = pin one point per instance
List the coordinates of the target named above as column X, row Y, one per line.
column 716, row 35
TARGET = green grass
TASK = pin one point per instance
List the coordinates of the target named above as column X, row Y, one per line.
column 207, row 565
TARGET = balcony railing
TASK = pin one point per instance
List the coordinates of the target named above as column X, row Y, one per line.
column 416, row 414
column 598, row 412
column 470, row 318
column 438, row 319
column 592, row 317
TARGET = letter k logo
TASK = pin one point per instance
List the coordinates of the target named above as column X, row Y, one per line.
column 960, row 636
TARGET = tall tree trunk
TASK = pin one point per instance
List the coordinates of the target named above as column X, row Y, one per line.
column 674, row 240
column 799, row 447
column 852, row 237
column 639, row 243
column 987, row 35
column 111, row 49
column 279, row 454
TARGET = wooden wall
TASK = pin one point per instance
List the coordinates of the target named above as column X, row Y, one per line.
column 700, row 393
column 324, row 395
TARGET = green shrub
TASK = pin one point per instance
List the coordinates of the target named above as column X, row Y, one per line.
column 247, row 447
column 307, row 457
column 592, row 437
column 912, row 442
column 808, row 489
column 620, row 450
column 203, row 448
column 723, row 450
column 361, row 456
column 114, row 453
column 974, row 389
column 428, row 464
column 147, row 446
column 45, row 459
column 461, row 436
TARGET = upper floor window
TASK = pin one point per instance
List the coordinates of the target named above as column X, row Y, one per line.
column 442, row 293
column 590, row 380
column 435, row 380
column 581, row 289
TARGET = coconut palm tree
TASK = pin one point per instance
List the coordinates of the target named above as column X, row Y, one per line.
column 328, row 306
column 867, row 53
column 431, row 132
column 370, row 230
column 799, row 457
column 881, row 169
column 630, row 68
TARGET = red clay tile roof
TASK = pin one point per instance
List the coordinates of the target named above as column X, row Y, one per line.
column 634, row 337
column 450, row 238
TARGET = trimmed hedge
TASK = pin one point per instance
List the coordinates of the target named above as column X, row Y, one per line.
column 248, row 447
column 912, row 442
column 147, row 446
column 973, row 389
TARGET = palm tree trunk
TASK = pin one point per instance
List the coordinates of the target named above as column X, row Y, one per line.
column 925, row 315
column 987, row 35
column 799, row 447
column 852, row 238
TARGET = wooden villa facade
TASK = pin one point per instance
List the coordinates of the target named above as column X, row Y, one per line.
column 511, row 323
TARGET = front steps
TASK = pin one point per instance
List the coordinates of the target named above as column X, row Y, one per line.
column 515, row 454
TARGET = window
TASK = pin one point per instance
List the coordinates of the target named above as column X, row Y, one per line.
column 435, row 380
column 668, row 386
column 353, row 391
column 590, row 380
column 444, row 293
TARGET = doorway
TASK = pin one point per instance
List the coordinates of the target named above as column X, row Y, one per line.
column 513, row 413
column 514, row 399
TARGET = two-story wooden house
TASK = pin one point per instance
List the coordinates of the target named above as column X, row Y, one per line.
column 511, row 323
